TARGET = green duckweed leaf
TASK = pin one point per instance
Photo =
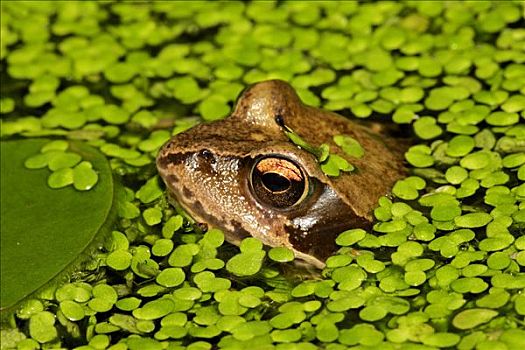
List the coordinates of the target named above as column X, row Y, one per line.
column 84, row 177
column 299, row 141
column 441, row 339
column 152, row 216
column 170, row 277
column 57, row 145
column 249, row 261
column 150, row 191
column 426, row 128
column 456, row 175
column 37, row 161
column 154, row 309
column 349, row 145
column 173, row 224
column 72, row 310
column 350, row 237
column 41, row 327
column 119, row 260
column 7, row 105
column 471, row 318
column 281, row 254
column 60, row 178
column 502, row 118
column 460, row 146
column 363, row 334
column 162, row 247
column 472, row 220
column 213, row 108
column 335, row 164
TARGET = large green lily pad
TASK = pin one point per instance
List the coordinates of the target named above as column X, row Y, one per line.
column 45, row 231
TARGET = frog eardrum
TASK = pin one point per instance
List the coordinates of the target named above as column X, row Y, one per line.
column 244, row 176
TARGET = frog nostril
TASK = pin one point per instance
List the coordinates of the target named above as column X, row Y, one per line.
column 279, row 120
column 207, row 155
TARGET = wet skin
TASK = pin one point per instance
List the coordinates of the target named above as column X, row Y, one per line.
column 243, row 175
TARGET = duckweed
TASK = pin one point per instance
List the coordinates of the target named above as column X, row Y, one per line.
column 331, row 164
column 41, row 327
column 66, row 167
column 281, row 254
column 440, row 268
column 349, row 145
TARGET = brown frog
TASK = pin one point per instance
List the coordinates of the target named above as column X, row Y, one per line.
column 244, row 176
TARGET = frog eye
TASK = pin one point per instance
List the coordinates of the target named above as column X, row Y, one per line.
column 278, row 182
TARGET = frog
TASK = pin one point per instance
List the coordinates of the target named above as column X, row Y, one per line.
column 244, row 176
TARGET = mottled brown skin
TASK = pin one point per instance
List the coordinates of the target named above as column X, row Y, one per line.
column 207, row 170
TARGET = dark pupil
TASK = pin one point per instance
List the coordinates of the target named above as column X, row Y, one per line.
column 278, row 183
column 275, row 182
